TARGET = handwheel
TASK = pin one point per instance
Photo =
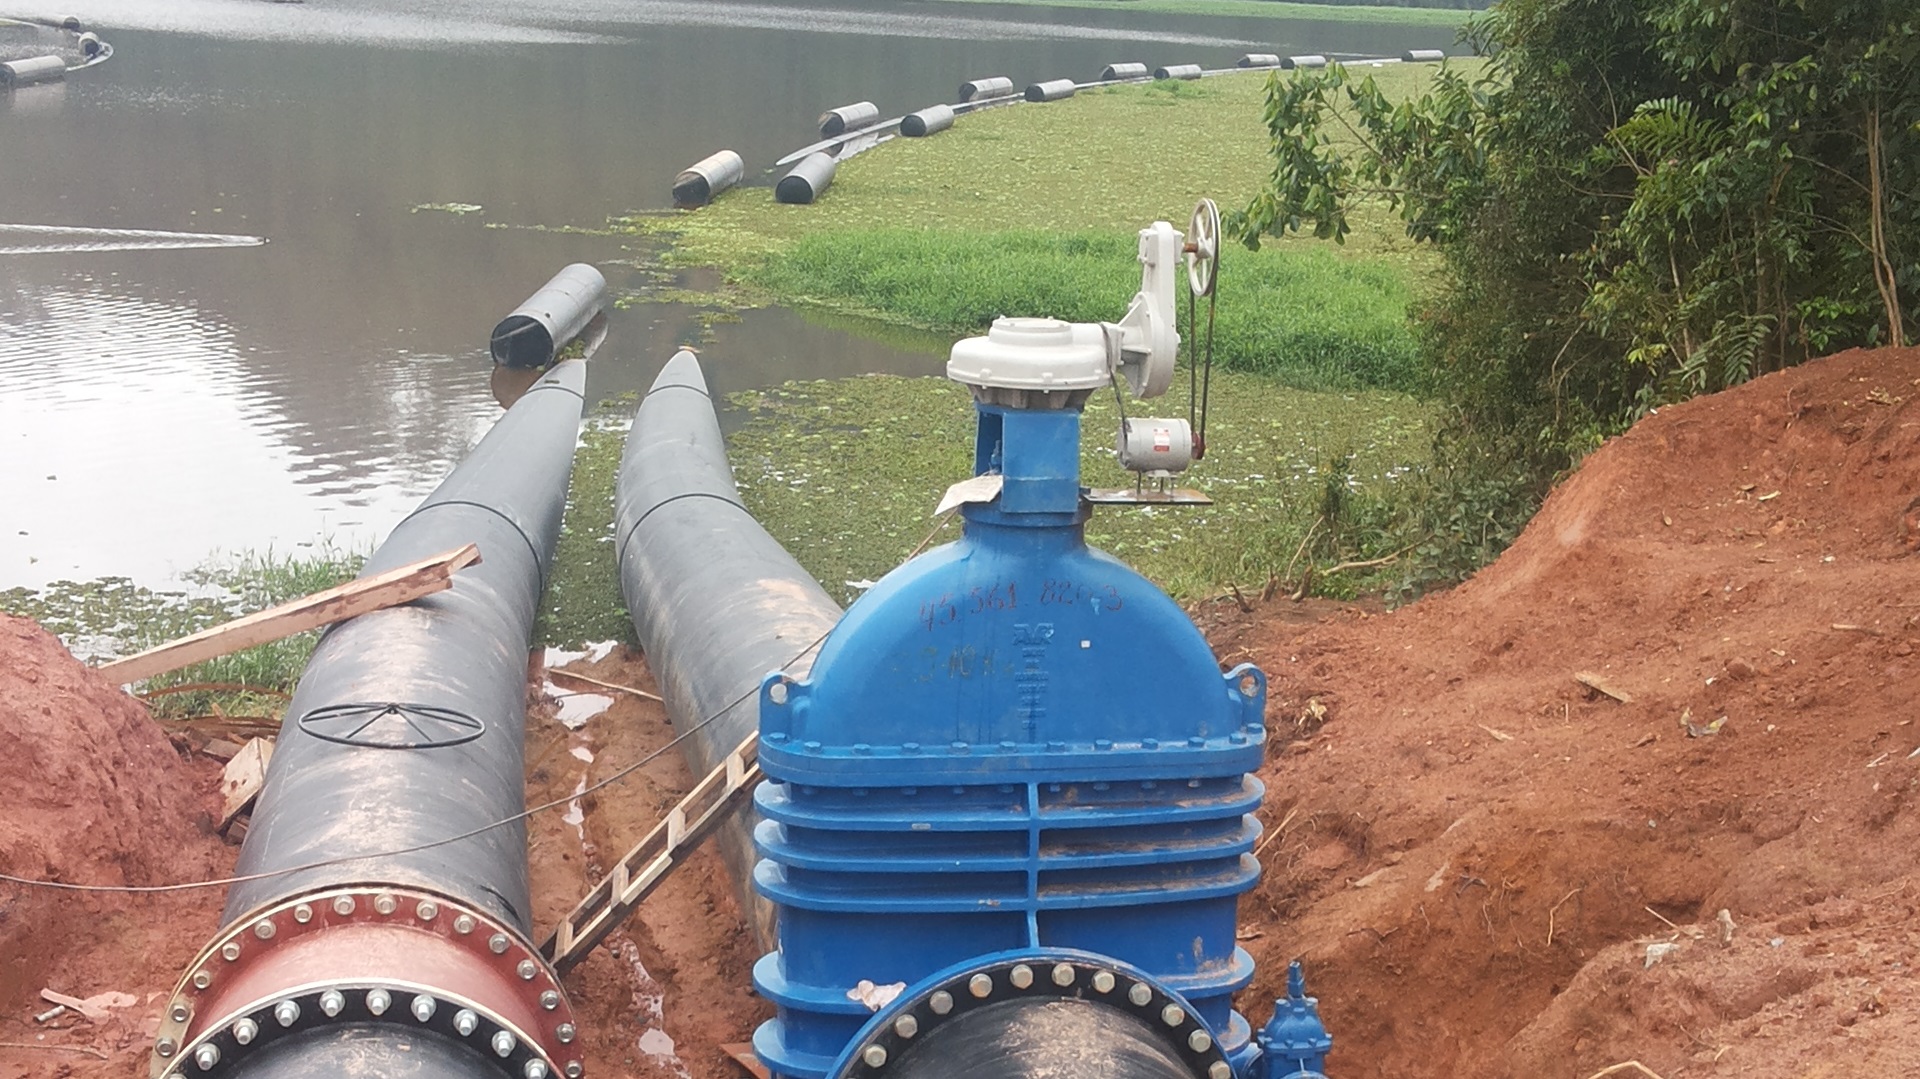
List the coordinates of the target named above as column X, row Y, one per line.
column 1203, row 247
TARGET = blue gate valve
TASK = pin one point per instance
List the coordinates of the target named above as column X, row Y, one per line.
column 1294, row 1043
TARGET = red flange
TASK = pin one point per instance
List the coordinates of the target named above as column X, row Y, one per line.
column 368, row 953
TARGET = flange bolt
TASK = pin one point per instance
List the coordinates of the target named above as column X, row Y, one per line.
column 244, row 1031
column 424, row 1007
column 286, row 1013
column 465, row 1021
column 378, row 1001
column 207, row 1056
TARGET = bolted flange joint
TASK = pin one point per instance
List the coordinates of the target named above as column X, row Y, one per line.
column 360, row 954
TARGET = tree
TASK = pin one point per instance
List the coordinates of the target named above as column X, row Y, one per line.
column 1638, row 200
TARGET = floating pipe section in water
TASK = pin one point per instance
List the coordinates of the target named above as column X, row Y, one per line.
column 1051, row 90
column 811, row 176
column 1178, row 71
column 392, row 938
column 90, row 44
column 702, row 181
column 536, row 331
column 983, row 89
column 928, row 121
column 32, row 70
column 1113, row 72
column 1259, row 59
column 1313, row 60
column 716, row 602
column 1423, row 56
column 848, row 118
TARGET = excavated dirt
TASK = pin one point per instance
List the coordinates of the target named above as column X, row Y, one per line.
column 675, row 984
column 92, row 791
column 1474, row 853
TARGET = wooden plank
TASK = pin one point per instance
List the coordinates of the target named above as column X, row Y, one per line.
column 1600, row 685
column 662, row 849
column 352, row 599
column 242, row 779
column 742, row 1054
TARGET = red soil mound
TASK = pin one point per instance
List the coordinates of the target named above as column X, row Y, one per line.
column 1472, row 850
column 94, row 794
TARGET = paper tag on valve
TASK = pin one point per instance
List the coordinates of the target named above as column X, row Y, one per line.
column 978, row 489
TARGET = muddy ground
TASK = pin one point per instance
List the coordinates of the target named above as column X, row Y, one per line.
column 1474, row 852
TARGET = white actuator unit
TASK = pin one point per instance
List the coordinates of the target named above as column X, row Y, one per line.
column 1047, row 355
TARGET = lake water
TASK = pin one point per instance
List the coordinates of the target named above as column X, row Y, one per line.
column 317, row 372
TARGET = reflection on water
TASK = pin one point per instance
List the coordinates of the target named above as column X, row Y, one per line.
column 57, row 239
column 193, row 399
column 131, row 422
column 468, row 22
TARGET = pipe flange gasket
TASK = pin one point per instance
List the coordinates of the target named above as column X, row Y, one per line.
column 391, row 725
column 368, row 953
column 1036, row 977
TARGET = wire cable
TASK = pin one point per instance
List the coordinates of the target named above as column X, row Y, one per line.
column 244, row 878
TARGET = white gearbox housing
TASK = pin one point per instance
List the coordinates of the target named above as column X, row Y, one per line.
column 1042, row 354
column 1154, row 446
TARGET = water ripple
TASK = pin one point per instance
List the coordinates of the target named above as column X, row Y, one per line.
column 65, row 239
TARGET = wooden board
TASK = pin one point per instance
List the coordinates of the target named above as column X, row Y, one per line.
column 742, row 1054
column 658, row 853
column 242, row 779
column 364, row 595
column 1600, row 685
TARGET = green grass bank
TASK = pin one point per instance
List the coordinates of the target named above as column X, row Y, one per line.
column 1396, row 14
column 1033, row 209
column 1318, row 436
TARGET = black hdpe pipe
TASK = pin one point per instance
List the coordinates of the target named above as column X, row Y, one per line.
column 717, row 603
column 406, row 731
column 1040, row 1039
column 534, row 333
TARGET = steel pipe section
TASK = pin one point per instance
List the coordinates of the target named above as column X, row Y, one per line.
column 1423, row 56
column 848, row 118
column 983, row 89
column 703, row 181
column 717, row 603
column 536, row 331
column 1178, row 71
column 811, row 176
column 1051, row 90
column 928, row 121
column 390, row 933
column 1292, row 62
column 34, row 69
column 1036, row 1016
column 1113, row 72
column 1259, row 59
